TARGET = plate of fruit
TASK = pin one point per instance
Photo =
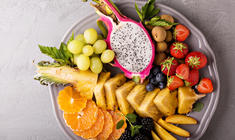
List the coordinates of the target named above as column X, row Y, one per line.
column 132, row 71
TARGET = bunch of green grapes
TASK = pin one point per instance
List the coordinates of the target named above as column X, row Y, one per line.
column 90, row 51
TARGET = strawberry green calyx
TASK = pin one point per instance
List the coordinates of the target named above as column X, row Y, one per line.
column 169, row 81
column 179, row 46
column 187, row 84
column 194, row 61
column 167, row 63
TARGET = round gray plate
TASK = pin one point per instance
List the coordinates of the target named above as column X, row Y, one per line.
column 196, row 41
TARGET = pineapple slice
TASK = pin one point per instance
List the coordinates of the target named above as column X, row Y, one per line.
column 110, row 87
column 166, row 102
column 136, row 96
column 121, row 94
column 99, row 90
column 147, row 107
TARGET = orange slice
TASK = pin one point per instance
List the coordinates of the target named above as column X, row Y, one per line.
column 70, row 101
column 116, row 134
column 84, row 120
column 95, row 130
column 108, row 126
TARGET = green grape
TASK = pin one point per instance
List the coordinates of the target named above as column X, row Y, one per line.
column 90, row 35
column 99, row 46
column 75, row 46
column 87, row 50
column 80, row 37
column 107, row 56
column 96, row 65
column 82, row 61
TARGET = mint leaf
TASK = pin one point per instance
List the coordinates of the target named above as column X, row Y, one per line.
column 135, row 129
column 161, row 22
column 198, row 106
column 71, row 38
column 120, row 124
column 102, row 28
column 138, row 12
column 154, row 12
column 131, row 117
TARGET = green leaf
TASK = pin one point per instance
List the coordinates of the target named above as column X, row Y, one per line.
column 131, row 117
column 198, row 106
column 102, row 28
column 135, row 129
column 154, row 12
column 144, row 10
column 71, row 38
column 149, row 10
column 161, row 22
column 120, row 124
column 138, row 12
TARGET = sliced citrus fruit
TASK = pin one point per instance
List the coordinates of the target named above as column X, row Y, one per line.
column 95, row 130
column 116, row 134
column 70, row 101
column 108, row 126
column 83, row 120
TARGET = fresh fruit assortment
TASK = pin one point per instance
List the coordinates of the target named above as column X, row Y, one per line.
column 146, row 100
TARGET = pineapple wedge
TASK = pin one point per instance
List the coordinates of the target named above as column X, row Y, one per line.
column 121, row 94
column 99, row 90
column 166, row 101
column 147, row 107
column 110, row 87
column 136, row 96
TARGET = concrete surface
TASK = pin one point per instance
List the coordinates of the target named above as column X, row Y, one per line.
column 25, row 106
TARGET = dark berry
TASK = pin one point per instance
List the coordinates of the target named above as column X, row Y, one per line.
column 147, row 124
column 156, row 70
column 141, row 137
column 195, row 89
column 150, row 76
column 162, row 85
column 150, row 87
column 153, row 81
column 160, row 77
column 126, row 135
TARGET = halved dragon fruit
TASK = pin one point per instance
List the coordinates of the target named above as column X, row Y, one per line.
column 129, row 40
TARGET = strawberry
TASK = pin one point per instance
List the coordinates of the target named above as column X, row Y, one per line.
column 181, row 32
column 169, row 65
column 196, row 60
column 182, row 71
column 174, row 82
column 205, row 86
column 193, row 78
column 179, row 50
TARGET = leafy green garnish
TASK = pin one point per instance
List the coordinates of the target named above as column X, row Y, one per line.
column 131, row 117
column 160, row 22
column 102, row 28
column 120, row 124
column 135, row 129
column 147, row 11
column 71, row 38
column 198, row 106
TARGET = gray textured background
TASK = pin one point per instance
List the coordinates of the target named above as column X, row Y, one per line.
column 25, row 106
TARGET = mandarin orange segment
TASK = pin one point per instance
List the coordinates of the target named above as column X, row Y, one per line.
column 95, row 130
column 84, row 120
column 108, row 126
column 70, row 101
column 117, row 116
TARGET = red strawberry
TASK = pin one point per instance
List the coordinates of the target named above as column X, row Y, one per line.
column 193, row 78
column 181, row 32
column 205, row 86
column 182, row 71
column 174, row 82
column 169, row 65
column 196, row 60
column 179, row 50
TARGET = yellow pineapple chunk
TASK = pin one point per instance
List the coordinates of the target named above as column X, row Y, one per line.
column 121, row 94
column 166, row 101
column 110, row 87
column 148, row 108
column 99, row 91
column 136, row 96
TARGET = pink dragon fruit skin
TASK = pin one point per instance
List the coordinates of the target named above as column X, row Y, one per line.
column 110, row 26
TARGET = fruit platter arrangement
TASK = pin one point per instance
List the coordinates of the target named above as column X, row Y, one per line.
column 129, row 80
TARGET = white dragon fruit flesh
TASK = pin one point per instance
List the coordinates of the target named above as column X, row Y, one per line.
column 133, row 46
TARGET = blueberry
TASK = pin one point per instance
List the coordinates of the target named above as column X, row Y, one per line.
column 150, row 75
column 161, row 85
column 150, row 87
column 153, row 81
column 156, row 70
column 160, row 77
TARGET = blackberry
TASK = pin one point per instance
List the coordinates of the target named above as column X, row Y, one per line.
column 150, row 87
column 126, row 135
column 141, row 137
column 147, row 124
column 156, row 70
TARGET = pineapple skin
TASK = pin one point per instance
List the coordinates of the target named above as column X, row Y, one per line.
column 99, row 90
column 110, row 88
column 148, row 108
column 166, row 102
column 121, row 94
column 136, row 96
